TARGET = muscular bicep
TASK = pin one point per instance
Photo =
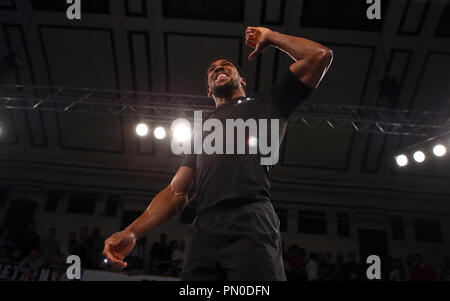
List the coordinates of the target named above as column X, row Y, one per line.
column 182, row 180
column 311, row 71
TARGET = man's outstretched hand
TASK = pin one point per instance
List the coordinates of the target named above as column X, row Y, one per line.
column 118, row 246
column 257, row 37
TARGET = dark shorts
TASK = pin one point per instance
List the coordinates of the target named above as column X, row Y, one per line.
column 236, row 244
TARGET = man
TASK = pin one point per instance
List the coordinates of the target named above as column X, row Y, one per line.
column 236, row 233
column 160, row 250
column 30, row 240
column 50, row 246
column 312, row 267
column 95, row 243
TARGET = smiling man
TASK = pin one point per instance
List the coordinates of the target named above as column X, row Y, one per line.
column 236, row 233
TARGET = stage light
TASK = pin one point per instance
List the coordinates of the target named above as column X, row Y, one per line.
column 439, row 150
column 401, row 160
column 181, row 131
column 252, row 141
column 419, row 156
column 142, row 130
column 160, row 133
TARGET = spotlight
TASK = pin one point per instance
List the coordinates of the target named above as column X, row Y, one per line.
column 401, row 160
column 252, row 141
column 439, row 150
column 142, row 129
column 419, row 156
column 160, row 133
column 181, row 130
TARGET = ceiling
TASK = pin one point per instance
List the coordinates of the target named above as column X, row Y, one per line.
column 164, row 46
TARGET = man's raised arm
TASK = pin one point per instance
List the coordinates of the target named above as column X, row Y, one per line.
column 165, row 205
column 312, row 59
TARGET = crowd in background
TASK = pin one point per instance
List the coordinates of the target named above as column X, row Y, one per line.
column 31, row 252
column 317, row 266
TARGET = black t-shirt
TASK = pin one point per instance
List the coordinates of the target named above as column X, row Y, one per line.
column 221, row 178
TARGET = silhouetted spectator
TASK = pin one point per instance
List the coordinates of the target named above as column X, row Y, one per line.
column 4, row 256
column 422, row 271
column 16, row 256
column 410, row 263
column 302, row 272
column 81, row 248
column 138, row 250
column 50, row 246
column 339, row 274
column 173, row 245
column 351, row 269
column 161, row 252
column 56, row 260
column 160, row 249
column 178, row 254
column 154, row 268
column 177, row 259
column 70, row 244
column 312, row 267
column 397, row 271
column 5, row 239
column 96, row 244
column 444, row 272
column 30, row 240
column 30, row 265
column 327, row 268
column 292, row 263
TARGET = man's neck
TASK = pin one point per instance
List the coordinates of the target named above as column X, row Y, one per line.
column 223, row 100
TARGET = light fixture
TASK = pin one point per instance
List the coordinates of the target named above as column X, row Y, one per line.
column 439, row 150
column 401, row 160
column 181, row 131
column 160, row 133
column 419, row 156
column 252, row 141
column 142, row 129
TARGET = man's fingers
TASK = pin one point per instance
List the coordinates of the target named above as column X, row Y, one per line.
column 113, row 258
column 258, row 50
column 107, row 249
column 114, row 261
column 253, row 54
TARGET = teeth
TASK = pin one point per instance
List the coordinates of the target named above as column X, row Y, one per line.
column 222, row 76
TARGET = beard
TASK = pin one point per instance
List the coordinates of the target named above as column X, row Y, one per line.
column 226, row 89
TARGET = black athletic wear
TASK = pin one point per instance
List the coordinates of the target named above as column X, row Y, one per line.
column 221, row 177
column 235, row 235
column 239, row 243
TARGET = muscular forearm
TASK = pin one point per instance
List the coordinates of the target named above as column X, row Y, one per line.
column 296, row 47
column 163, row 207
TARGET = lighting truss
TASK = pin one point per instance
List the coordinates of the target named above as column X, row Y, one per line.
column 163, row 107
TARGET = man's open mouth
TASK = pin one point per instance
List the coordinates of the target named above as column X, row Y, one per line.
column 222, row 76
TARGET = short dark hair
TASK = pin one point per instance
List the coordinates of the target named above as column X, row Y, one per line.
column 222, row 58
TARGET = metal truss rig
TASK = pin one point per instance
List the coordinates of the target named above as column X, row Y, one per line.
column 160, row 107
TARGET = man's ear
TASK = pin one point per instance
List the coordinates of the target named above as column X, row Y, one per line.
column 209, row 92
column 243, row 82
